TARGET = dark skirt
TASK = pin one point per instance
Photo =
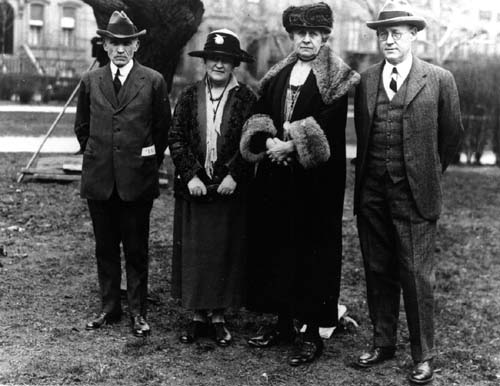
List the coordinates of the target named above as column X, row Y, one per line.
column 209, row 253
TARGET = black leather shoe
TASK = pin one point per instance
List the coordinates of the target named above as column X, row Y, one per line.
column 422, row 373
column 103, row 319
column 270, row 337
column 194, row 330
column 377, row 355
column 222, row 335
column 305, row 352
column 140, row 327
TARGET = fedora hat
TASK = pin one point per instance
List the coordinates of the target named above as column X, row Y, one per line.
column 397, row 12
column 223, row 42
column 317, row 15
column 120, row 27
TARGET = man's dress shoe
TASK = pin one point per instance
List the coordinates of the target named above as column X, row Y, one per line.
column 194, row 330
column 271, row 336
column 422, row 373
column 140, row 327
column 222, row 335
column 377, row 355
column 102, row 319
column 306, row 351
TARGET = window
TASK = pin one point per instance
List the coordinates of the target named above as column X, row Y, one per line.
column 485, row 15
column 68, row 24
column 36, row 25
column 6, row 28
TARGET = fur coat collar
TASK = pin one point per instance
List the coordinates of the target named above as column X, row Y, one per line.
column 333, row 76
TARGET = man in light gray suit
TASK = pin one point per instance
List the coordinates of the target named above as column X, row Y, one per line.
column 408, row 128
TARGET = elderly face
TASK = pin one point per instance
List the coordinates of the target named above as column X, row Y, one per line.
column 307, row 42
column 120, row 51
column 219, row 69
column 396, row 42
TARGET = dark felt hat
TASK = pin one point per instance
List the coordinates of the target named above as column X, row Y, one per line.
column 317, row 15
column 395, row 12
column 223, row 42
column 120, row 27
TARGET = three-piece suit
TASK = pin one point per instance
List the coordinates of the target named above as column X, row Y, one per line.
column 403, row 147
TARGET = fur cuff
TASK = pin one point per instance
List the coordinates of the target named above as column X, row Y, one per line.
column 310, row 142
column 258, row 124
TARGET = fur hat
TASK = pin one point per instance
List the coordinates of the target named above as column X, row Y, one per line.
column 120, row 27
column 395, row 12
column 223, row 42
column 317, row 15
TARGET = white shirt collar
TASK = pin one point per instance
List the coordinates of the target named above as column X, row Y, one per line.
column 403, row 70
column 124, row 71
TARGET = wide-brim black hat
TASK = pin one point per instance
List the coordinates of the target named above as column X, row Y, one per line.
column 396, row 12
column 314, row 16
column 223, row 42
column 120, row 27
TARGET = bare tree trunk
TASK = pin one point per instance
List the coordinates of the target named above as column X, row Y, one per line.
column 169, row 23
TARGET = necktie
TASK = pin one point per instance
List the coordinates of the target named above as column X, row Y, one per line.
column 116, row 82
column 394, row 85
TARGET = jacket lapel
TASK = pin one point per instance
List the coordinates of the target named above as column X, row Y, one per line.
column 201, row 105
column 106, row 85
column 132, row 86
column 372, row 83
column 416, row 80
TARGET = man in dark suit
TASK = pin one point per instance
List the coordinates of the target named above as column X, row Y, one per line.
column 122, row 118
column 408, row 128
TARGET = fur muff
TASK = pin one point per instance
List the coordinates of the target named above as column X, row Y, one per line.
column 310, row 142
column 256, row 124
column 334, row 77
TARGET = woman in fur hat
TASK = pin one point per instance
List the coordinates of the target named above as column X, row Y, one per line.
column 210, row 185
column 296, row 135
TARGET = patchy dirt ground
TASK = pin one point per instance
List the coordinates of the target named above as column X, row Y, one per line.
column 48, row 289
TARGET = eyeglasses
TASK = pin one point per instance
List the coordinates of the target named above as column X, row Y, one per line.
column 384, row 35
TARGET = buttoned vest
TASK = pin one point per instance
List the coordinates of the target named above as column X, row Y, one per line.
column 386, row 147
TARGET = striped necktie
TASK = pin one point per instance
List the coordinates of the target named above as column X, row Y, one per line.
column 394, row 76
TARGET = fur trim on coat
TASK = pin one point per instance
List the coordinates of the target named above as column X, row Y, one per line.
column 257, row 123
column 333, row 76
column 310, row 142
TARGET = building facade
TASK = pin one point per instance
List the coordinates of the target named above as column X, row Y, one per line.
column 48, row 37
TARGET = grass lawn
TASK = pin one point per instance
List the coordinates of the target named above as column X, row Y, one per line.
column 35, row 124
column 48, row 290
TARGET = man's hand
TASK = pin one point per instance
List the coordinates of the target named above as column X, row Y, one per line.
column 227, row 186
column 281, row 151
column 197, row 187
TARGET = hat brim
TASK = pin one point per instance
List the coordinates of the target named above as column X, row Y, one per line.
column 106, row 34
column 243, row 57
column 418, row 22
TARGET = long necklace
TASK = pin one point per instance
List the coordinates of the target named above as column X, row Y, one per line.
column 218, row 99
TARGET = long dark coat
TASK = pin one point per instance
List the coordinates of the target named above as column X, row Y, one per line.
column 113, row 129
column 295, row 228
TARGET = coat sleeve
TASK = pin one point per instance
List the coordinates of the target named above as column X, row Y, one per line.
column 82, row 119
column 315, row 136
column 237, row 166
column 161, row 118
column 256, row 130
column 450, row 129
column 185, row 161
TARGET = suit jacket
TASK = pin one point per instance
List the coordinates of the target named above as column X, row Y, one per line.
column 114, row 129
column 432, row 130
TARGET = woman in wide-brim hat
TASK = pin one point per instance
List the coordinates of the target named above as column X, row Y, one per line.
column 210, row 189
column 297, row 136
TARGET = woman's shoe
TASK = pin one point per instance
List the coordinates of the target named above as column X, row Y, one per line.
column 306, row 351
column 271, row 336
column 194, row 330
column 222, row 335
